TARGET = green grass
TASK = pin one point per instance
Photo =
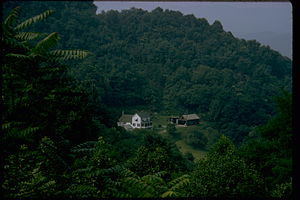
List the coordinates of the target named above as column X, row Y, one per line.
column 160, row 120
column 211, row 134
column 160, row 123
column 184, row 148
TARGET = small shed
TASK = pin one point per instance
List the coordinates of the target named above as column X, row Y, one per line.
column 190, row 119
column 174, row 119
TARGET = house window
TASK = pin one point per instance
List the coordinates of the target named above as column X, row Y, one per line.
column 134, row 124
column 139, row 125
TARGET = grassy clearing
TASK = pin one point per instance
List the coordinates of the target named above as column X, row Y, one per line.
column 184, row 148
column 206, row 129
column 160, row 123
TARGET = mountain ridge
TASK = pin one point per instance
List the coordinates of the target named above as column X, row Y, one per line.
column 164, row 61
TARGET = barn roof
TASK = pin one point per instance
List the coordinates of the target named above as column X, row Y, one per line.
column 190, row 117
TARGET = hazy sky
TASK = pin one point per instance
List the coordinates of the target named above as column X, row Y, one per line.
column 235, row 17
column 240, row 18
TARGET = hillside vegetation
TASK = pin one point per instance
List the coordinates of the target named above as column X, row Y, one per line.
column 69, row 73
column 168, row 62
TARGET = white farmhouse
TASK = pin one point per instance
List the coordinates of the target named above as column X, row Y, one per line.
column 138, row 120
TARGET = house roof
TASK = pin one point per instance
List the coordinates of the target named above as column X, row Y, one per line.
column 174, row 117
column 190, row 117
column 128, row 118
column 143, row 114
column 125, row 118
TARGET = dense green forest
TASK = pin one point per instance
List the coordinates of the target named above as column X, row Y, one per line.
column 166, row 62
column 68, row 73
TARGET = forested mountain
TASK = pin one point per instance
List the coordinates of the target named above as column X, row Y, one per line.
column 66, row 80
column 168, row 62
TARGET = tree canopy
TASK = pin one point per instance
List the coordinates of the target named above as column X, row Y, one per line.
column 168, row 62
column 65, row 80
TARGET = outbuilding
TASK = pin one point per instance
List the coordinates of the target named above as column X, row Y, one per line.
column 187, row 120
column 191, row 119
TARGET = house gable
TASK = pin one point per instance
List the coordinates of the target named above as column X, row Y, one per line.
column 136, row 119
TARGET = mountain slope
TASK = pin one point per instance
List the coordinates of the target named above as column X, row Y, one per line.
column 168, row 62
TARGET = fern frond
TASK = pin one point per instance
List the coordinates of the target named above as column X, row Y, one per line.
column 85, row 190
column 29, row 35
column 169, row 194
column 128, row 173
column 114, row 169
column 177, row 185
column 134, row 182
column 28, row 131
column 153, row 180
column 12, row 17
column 98, row 172
column 13, row 42
column 16, row 129
column 6, row 126
column 86, row 147
column 87, row 169
column 115, row 183
column 121, row 194
column 48, row 143
column 181, row 184
column 148, row 191
column 160, row 174
column 18, row 56
column 84, row 150
column 85, row 144
column 62, row 55
column 106, row 172
column 143, row 187
column 44, row 45
column 182, row 180
column 33, row 20
column 47, row 185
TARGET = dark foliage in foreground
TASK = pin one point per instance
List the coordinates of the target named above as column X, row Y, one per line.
column 58, row 139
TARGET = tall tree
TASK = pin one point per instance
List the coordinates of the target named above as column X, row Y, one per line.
column 34, row 78
column 38, row 101
column 224, row 174
column 271, row 152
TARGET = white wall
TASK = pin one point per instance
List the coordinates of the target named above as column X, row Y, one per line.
column 136, row 119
